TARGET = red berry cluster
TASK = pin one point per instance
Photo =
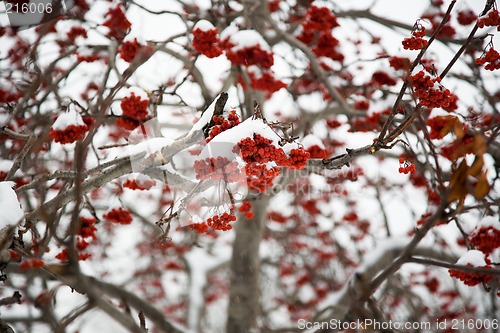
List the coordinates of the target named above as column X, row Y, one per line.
column 326, row 46
column 273, row 5
column 81, row 245
column 472, row 279
column 88, row 58
column 319, row 19
column 200, row 228
column 490, row 20
column 139, row 184
column 381, row 78
column 75, row 32
column 442, row 125
column 436, row 17
column 7, row 96
column 430, row 92
column 87, row 227
column 248, row 56
column 466, row 17
column 297, row 159
column 368, row 123
column 218, row 168
column 207, row 42
column 316, row 151
column 135, row 111
column 117, row 23
column 491, row 58
column 485, row 239
column 118, row 215
column 399, row 63
column 260, row 150
column 259, row 177
column 70, row 134
column 222, row 124
column 129, row 49
column 34, row 263
column 221, row 222
column 362, row 104
column 245, row 208
column 416, row 42
column 266, row 82
column 405, row 166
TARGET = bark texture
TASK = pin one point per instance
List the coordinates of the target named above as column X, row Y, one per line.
column 245, row 266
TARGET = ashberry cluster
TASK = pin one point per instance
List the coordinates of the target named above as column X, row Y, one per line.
column 135, row 111
column 117, row 23
column 486, row 238
column 72, row 131
column 416, row 42
column 75, row 32
column 70, row 134
column 260, row 150
column 33, row 263
column 362, row 104
column 405, row 166
column 219, row 168
column 118, row 215
column 470, row 279
column 260, row 177
column 248, row 56
column 491, row 58
column 319, row 19
column 492, row 19
column 221, row 222
column 442, row 125
column 87, row 227
column 129, row 49
column 430, row 92
column 139, row 184
column 466, row 17
column 266, row 82
column 399, row 63
column 81, row 245
column 199, row 228
column 222, row 124
column 206, row 40
column 326, row 46
column 381, row 78
column 245, row 209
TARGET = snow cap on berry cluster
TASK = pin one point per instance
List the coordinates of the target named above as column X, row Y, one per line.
column 68, row 118
column 474, row 258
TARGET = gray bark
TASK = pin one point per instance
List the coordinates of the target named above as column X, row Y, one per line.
column 245, row 266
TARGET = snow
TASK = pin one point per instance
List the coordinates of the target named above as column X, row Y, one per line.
column 489, row 221
column 229, row 31
column 311, row 140
column 150, row 146
column 203, row 25
column 68, row 118
column 205, row 117
column 223, row 143
column 200, row 263
column 487, row 13
column 472, row 257
column 136, row 90
column 319, row 4
column 5, row 165
column 247, row 39
column 10, row 208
